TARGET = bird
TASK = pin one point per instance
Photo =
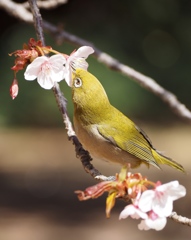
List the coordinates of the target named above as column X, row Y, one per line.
column 105, row 132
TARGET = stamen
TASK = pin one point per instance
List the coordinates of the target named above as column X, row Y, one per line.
column 78, row 63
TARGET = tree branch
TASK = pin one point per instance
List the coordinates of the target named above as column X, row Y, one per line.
column 20, row 11
column 37, row 19
column 84, row 155
column 62, row 102
column 148, row 83
column 47, row 4
column 180, row 219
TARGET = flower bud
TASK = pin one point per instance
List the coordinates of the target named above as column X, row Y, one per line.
column 14, row 89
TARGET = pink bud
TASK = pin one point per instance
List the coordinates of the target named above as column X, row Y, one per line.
column 14, row 89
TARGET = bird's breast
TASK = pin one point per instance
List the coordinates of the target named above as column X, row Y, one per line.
column 101, row 148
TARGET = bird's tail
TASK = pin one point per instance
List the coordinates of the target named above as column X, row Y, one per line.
column 161, row 159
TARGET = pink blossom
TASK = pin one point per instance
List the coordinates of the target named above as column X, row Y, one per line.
column 77, row 60
column 149, row 220
column 133, row 211
column 160, row 200
column 152, row 222
column 154, row 206
column 47, row 70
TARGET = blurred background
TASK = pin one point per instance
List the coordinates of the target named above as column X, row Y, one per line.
column 39, row 171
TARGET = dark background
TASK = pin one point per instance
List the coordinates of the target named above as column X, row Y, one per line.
column 151, row 36
column 38, row 168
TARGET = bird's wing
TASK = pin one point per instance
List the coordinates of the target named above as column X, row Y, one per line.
column 137, row 144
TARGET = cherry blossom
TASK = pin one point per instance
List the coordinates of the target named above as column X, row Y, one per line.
column 47, row 70
column 77, row 60
column 153, row 221
column 14, row 89
column 154, row 206
column 160, row 200
column 150, row 220
column 133, row 211
column 151, row 202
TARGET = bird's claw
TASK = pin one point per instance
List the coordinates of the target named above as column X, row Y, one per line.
column 105, row 178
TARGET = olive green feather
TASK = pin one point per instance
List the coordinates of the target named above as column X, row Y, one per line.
column 106, row 132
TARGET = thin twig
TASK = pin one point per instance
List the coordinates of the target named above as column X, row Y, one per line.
column 84, row 155
column 180, row 219
column 47, row 4
column 148, row 83
column 19, row 11
column 62, row 102
column 37, row 19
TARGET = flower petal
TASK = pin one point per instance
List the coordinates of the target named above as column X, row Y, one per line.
column 34, row 68
column 46, row 70
column 133, row 211
column 165, row 195
column 127, row 211
column 143, row 225
column 68, row 78
column 45, row 80
column 57, row 60
column 162, row 206
column 167, row 186
column 84, row 52
column 174, row 189
column 77, row 60
column 158, row 224
column 145, row 201
column 57, row 74
column 179, row 192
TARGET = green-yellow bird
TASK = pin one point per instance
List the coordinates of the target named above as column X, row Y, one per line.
column 107, row 133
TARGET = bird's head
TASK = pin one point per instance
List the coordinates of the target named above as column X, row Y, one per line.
column 87, row 92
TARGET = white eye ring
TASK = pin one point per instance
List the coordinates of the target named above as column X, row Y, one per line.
column 77, row 82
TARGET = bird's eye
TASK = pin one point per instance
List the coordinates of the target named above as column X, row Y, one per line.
column 77, row 82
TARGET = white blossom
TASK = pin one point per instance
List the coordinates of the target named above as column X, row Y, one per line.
column 77, row 60
column 154, row 206
column 157, row 224
column 47, row 70
column 160, row 200
column 133, row 211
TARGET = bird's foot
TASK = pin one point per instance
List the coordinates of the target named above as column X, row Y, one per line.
column 105, row 178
